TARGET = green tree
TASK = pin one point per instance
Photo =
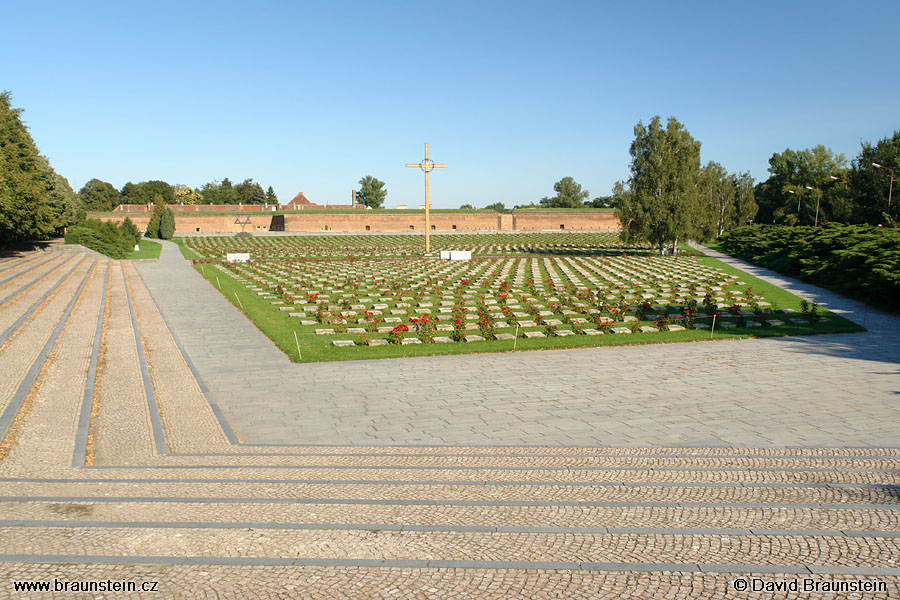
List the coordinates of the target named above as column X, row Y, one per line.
column 25, row 210
column 250, row 192
column 145, row 191
column 568, row 195
column 131, row 230
column 789, row 175
column 62, row 199
column 223, row 192
column 662, row 202
column 271, row 198
column 467, row 206
column 868, row 186
column 371, row 192
column 167, row 224
column 603, row 202
column 99, row 196
column 159, row 209
column 745, row 207
column 497, row 207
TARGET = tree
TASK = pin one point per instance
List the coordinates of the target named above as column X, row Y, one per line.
column 568, row 195
column 497, row 207
column 131, row 230
column 604, row 202
column 145, row 192
column 661, row 204
column 167, row 224
column 745, row 207
column 466, row 207
column 185, row 194
column 99, row 196
column 159, row 208
column 25, row 210
column 250, row 192
column 65, row 208
column 271, row 198
column 869, row 186
column 717, row 194
column 371, row 192
column 215, row 192
column 789, row 175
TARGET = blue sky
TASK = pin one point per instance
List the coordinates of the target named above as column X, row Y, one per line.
column 512, row 95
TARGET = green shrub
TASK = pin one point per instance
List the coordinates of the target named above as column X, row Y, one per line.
column 858, row 261
column 131, row 229
column 104, row 237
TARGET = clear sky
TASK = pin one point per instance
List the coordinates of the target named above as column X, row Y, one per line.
column 311, row 96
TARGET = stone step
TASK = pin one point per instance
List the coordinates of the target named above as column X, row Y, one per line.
column 22, row 274
column 574, row 518
column 22, row 356
column 398, row 474
column 541, row 462
column 76, row 488
column 24, row 304
column 368, row 542
column 41, row 276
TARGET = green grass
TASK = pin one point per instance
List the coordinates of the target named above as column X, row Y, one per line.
column 186, row 251
column 148, row 249
column 781, row 298
column 280, row 327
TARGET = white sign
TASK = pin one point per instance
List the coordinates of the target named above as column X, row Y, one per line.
column 237, row 257
column 456, row 255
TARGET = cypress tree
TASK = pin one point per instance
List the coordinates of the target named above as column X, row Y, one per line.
column 159, row 208
column 167, row 225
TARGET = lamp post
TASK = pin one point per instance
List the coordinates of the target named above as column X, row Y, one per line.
column 818, row 195
column 799, row 197
column 891, row 190
column 843, row 197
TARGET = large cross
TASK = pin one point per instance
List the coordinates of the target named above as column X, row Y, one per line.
column 427, row 165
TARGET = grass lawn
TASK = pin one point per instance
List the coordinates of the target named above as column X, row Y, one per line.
column 281, row 328
column 148, row 249
column 186, row 251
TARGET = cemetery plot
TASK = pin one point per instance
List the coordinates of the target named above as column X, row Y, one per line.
column 336, row 305
column 493, row 244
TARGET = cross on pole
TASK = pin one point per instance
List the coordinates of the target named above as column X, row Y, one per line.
column 427, row 165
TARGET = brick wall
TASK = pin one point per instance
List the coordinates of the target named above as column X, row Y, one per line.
column 187, row 223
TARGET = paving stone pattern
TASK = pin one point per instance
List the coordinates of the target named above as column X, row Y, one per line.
column 816, row 391
column 533, row 475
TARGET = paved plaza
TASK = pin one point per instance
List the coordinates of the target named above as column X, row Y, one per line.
column 827, row 390
column 152, row 435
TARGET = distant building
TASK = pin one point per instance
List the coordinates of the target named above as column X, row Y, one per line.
column 301, row 202
column 401, row 207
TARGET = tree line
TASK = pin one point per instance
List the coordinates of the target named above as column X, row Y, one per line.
column 35, row 200
column 669, row 196
column 101, row 196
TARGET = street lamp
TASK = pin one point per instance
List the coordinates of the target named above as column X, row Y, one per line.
column 843, row 197
column 817, row 203
column 891, row 190
column 799, row 197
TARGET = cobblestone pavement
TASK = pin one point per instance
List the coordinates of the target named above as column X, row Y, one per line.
column 117, row 465
column 811, row 391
